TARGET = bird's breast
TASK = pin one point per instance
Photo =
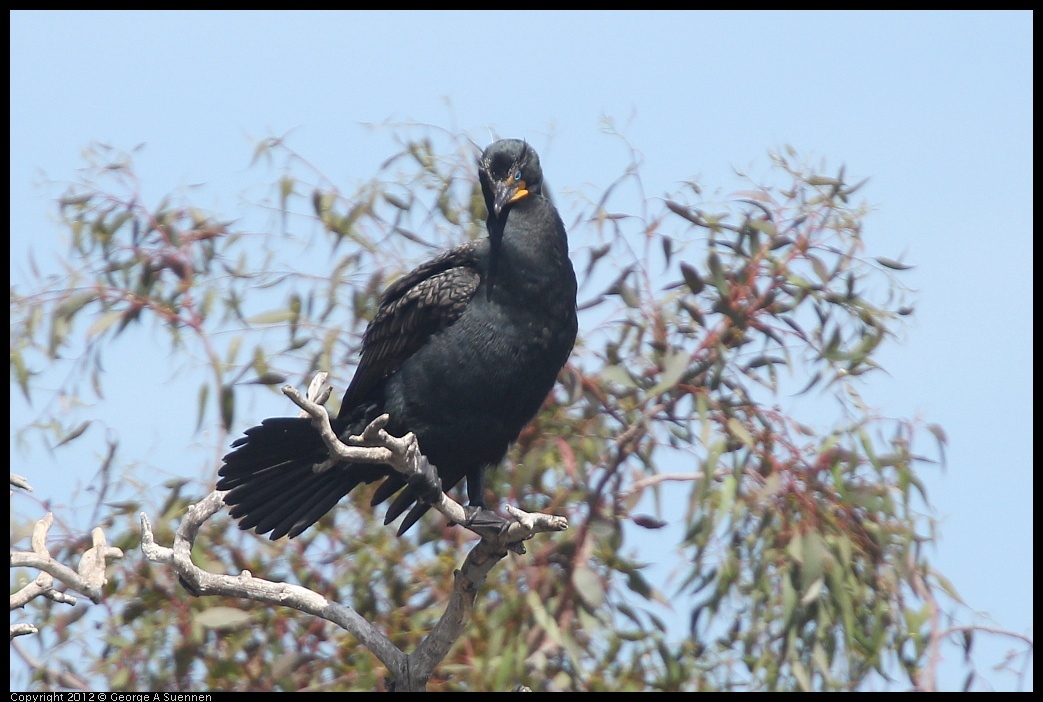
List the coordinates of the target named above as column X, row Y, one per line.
column 481, row 380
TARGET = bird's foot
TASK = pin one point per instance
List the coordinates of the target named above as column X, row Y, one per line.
column 480, row 517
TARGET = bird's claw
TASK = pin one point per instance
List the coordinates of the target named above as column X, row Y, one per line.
column 426, row 483
column 481, row 518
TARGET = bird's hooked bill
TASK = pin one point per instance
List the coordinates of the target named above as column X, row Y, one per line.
column 507, row 193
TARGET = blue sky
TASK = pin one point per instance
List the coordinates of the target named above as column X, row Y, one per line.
column 936, row 108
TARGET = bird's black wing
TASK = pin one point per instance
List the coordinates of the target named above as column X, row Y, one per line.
column 270, row 474
column 417, row 305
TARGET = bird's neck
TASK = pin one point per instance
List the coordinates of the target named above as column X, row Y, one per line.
column 533, row 228
column 532, row 244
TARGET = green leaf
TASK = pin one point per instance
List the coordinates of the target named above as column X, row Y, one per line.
column 763, row 226
column 227, row 406
column 717, row 274
column 891, row 263
column 233, row 349
column 222, row 618
column 814, row 555
column 818, row 655
column 547, row 623
column 21, row 372
column 75, row 433
column 789, row 601
column 74, row 200
column 273, row 317
column 729, row 487
column 268, row 378
column 674, row 367
column 286, row 185
column 102, row 323
column 820, row 269
column 795, row 548
column 739, row 432
column 823, row 180
column 801, row 674
column 588, row 585
column 812, row 593
column 68, row 307
column 637, row 583
column 204, row 393
column 946, row 585
column 618, row 374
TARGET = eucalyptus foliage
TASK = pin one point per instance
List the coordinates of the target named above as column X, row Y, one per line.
column 789, row 548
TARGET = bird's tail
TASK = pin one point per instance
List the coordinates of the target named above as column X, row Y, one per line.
column 272, row 481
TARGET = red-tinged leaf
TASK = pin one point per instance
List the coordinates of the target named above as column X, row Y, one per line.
column 684, row 211
column 758, row 195
column 648, row 522
column 668, row 248
column 939, row 433
column 811, row 383
column 568, row 457
column 692, row 279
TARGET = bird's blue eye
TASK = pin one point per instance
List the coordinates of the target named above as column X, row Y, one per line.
column 517, row 175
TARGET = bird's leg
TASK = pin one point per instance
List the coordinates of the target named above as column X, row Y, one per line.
column 478, row 515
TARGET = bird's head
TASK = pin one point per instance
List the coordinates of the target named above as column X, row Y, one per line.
column 509, row 171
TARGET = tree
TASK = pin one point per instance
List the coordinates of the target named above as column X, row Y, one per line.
column 800, row 542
